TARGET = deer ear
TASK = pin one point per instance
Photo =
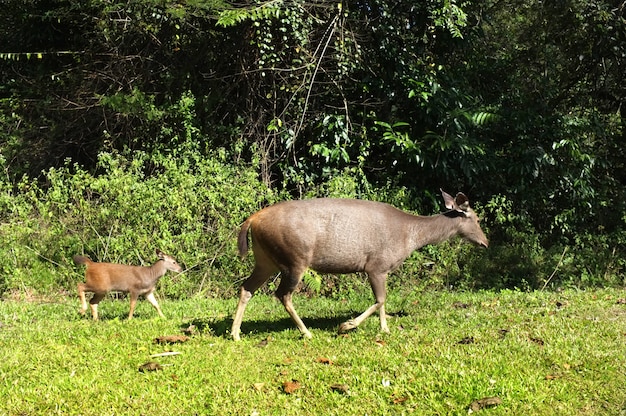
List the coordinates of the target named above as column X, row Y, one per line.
column 448, row 200
column 462, row 201
column 159, row 254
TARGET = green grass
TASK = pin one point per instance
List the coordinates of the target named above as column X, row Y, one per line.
column 540, row 353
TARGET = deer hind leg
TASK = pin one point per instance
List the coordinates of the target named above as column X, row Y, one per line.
column 288, row 283
column 377, row 281
column 93, row 304
column 259, row 276
column 150, row 298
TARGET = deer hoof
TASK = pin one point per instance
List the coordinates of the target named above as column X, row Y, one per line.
column 346, row 326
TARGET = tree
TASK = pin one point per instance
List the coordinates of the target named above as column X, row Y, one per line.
column 549, row 72
column 83, row 77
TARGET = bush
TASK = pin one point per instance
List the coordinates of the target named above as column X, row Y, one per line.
column 518, row 257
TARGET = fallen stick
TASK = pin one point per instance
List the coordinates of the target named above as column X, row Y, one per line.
column 165, row 354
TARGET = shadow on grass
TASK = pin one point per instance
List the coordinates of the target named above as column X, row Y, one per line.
column 221, row 327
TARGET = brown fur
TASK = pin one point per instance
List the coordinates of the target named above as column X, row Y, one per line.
column 102, row 278
column 343, row 236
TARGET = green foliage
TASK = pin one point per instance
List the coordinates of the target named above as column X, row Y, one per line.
column 451, row 17
column 264, row 11
column 135, row 103
column 313, row 281
column 518, row 258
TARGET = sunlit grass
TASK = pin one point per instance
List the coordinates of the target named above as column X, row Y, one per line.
column 540, row 353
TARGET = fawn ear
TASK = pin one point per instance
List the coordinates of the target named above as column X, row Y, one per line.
column 160, row 254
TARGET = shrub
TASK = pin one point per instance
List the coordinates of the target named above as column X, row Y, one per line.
column 519, row 258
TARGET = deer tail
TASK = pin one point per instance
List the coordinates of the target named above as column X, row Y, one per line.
column 242, row 240
column 81, row 260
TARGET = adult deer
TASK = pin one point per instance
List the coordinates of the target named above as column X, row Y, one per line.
column 343, row 236
column 102, row 278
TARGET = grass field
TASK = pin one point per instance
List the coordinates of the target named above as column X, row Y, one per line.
column 539, row 353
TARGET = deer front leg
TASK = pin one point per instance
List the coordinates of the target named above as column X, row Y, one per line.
column 354, row 323
column 150, row 298
column 377, row 281
column 81, row 296
column 133, row 302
